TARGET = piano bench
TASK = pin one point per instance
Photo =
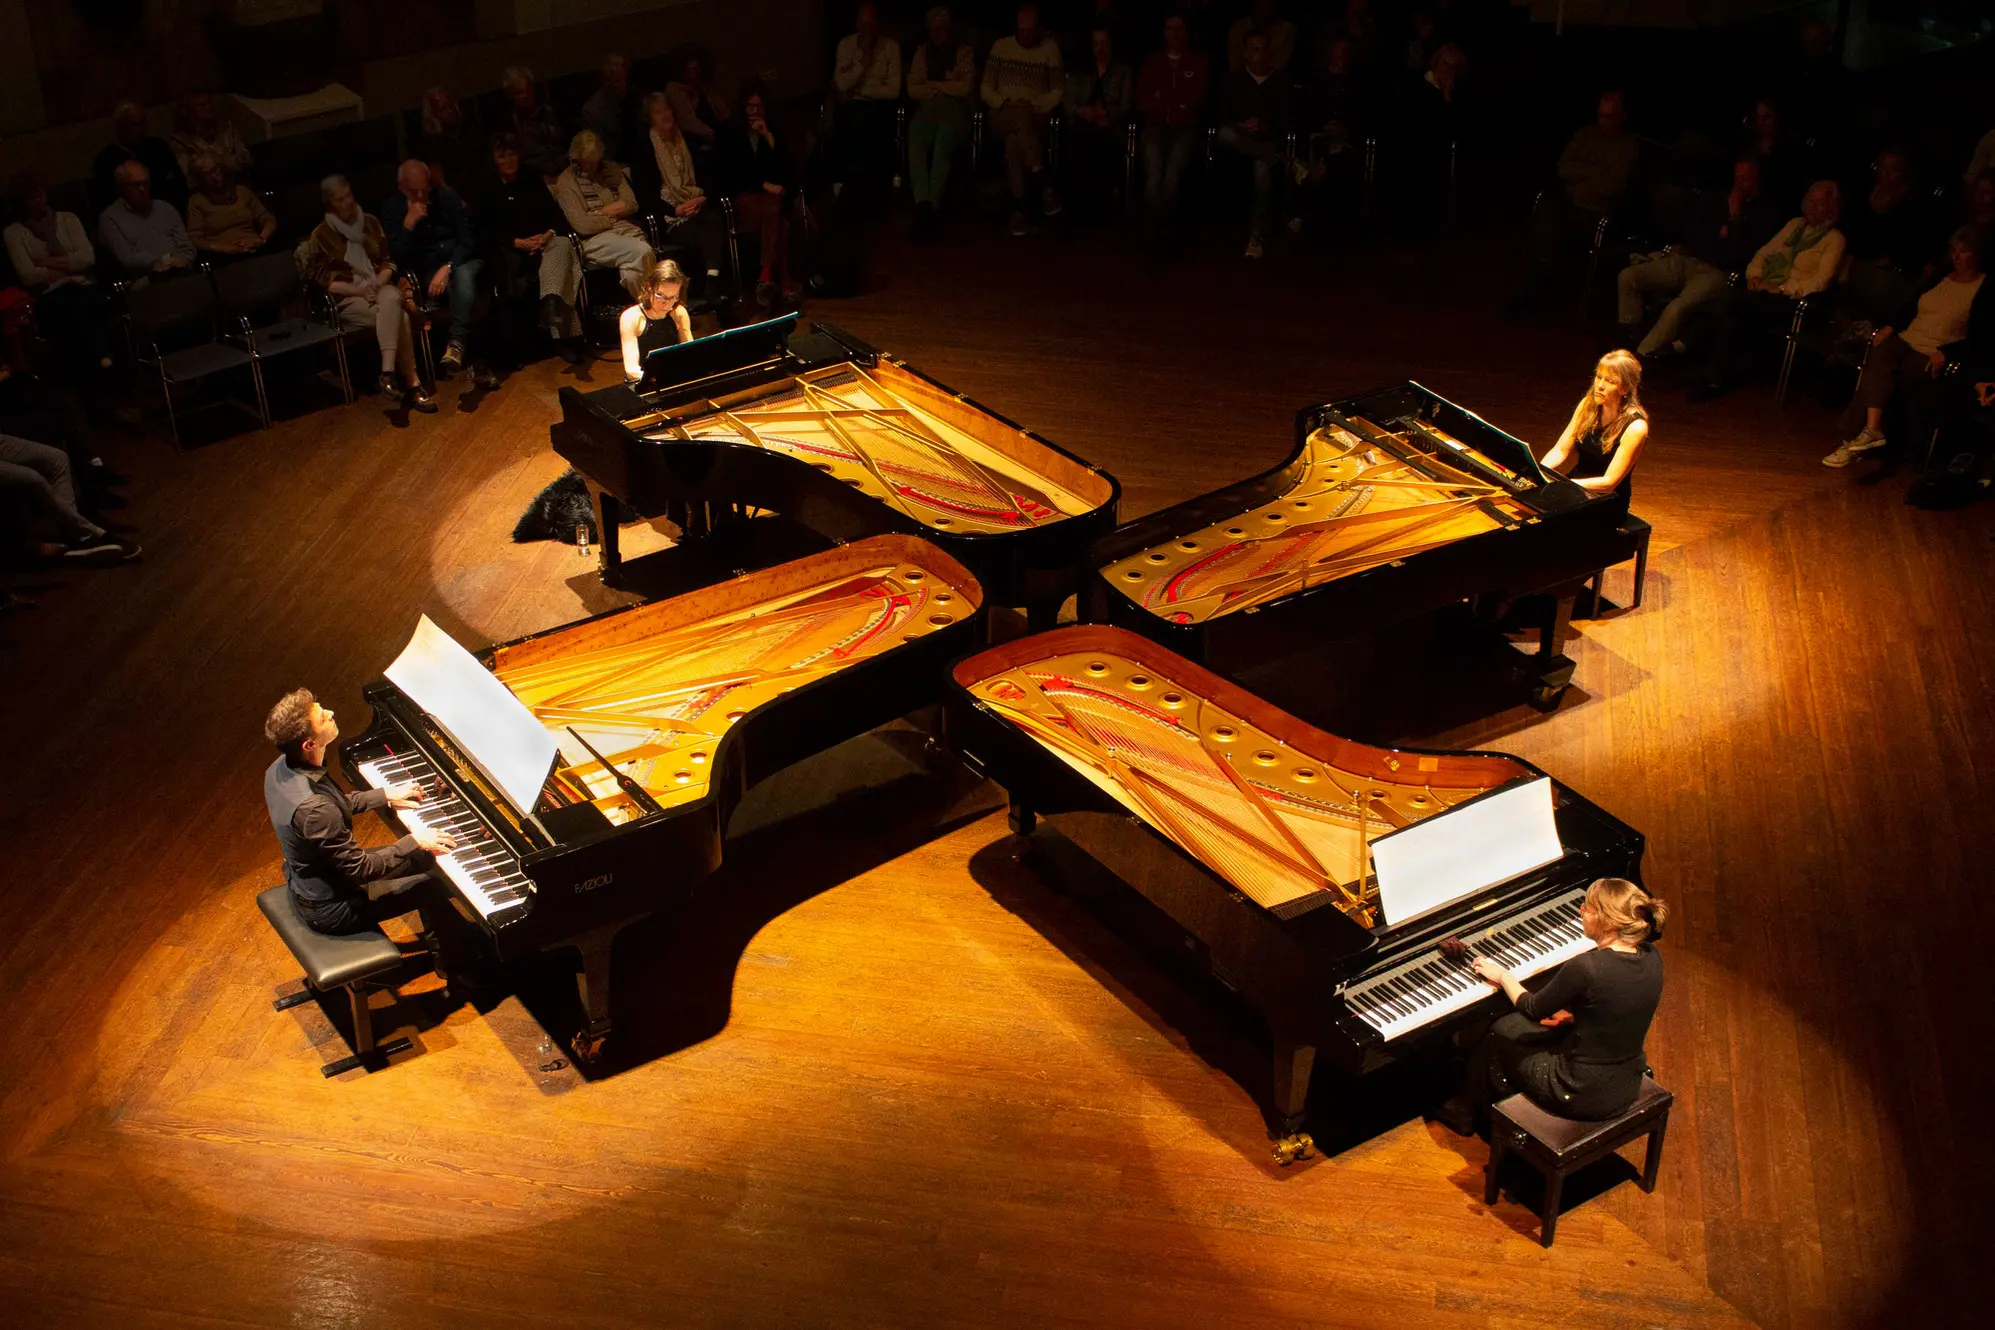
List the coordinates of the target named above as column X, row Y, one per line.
column 342, row 960
column 1637, row 530
column 1559, row 1147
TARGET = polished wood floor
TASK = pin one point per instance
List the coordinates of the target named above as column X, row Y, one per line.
column 883, row 1075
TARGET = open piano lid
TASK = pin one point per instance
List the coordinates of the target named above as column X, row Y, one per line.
column 480, row 714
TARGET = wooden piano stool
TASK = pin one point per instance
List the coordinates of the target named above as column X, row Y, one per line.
column 1559, row 1147
column 344, row 960
column 1636, row 530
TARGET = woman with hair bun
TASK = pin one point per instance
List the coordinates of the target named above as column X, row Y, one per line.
column 1574, row 1046
column 658, row 319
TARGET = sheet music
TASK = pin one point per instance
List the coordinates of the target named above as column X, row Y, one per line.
column 1476, row 845
column 479, row 713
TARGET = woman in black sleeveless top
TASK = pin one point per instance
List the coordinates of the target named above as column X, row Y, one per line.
column 1607, row 430
column 659, row 318
column 1574, row 1046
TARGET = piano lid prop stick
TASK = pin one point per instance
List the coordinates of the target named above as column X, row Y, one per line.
column 638, row 794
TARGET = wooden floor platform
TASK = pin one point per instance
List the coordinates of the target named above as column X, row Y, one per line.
column 890, row 1078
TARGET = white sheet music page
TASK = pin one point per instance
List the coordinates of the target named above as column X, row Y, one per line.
column 479, row 713
column 1473, row 846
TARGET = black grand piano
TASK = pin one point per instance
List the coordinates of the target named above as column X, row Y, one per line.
column 1393, row 503
column 662, row 716
column 845, row 440
column 1267, row 841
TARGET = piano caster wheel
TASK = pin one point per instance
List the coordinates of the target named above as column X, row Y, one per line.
column 1291, row 1148
column 588, row 1048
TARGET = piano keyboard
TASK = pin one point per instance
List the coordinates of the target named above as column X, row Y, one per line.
column 480, row 867
column 1430, row 986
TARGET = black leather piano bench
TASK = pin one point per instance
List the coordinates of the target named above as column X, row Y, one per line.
column 345, row 960
column 1637, row 530
column 1559, row 1147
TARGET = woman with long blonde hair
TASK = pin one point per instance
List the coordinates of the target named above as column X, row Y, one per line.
column 1608, row 428
column 1574, row 1045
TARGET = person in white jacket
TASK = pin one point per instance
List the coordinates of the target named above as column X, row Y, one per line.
column 1023, row 81
column 54, row 259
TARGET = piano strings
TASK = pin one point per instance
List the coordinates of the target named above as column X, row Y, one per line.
column 1351, row 508
column 1290, row 828
column 658, row 696
column 884, row 432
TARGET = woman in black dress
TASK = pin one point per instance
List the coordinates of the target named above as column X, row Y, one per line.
column 1607, row 430
column 1574, row 1046
column 659, row 318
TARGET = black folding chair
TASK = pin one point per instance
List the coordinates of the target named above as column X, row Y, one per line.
column 174, row 327
column 256, row 292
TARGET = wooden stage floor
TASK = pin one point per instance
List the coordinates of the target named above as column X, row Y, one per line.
column 888, row 1077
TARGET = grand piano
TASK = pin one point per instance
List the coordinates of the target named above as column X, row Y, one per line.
column 1317, row 876
column 660, row 717
column 845, row 440
column 1394, row 503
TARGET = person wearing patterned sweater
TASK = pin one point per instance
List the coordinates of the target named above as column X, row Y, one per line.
column 1023, row 81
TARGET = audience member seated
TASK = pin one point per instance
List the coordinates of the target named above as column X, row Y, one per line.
column 659, row 318
column 1334, row 113
column 1264, row 18
column 36, row 478
column 430, row 238
column 1023, row 82
column 1981, row 162
column 1725, row 231
column 349, row 258
column 45, row 409
column 443, row 145
column 1421, row 44
column 144, row 234
column 1100, row 95
column 1125, row 22
column 225, row 220
column 595, row 195
column 1800, row 261
column 1253, row 122
column 615, row 112
column 53, row 259
column 199, row 130
column 1980, row 210
column 529, row 254
column 665, row 172
column 1432, row 123
column 1171, row 94
column 543, row 146
column 702, row 112
column 130, row 143
column 1359, row 26
column 1819, row 92
column 1595, row 171
column 939, row 78
column 1785, row 163
column 759, row 172
column 1598, row 448
column 866, row 89
column 1908, row 355
column 1891, row 227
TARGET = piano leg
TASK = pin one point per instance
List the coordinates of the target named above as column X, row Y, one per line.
column 1023, row 820
column 593, row 982
column 1293, row 1064
column 1553, row 668
column 609, row 556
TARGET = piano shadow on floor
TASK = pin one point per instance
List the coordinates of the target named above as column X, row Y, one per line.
column 805, row 830
column 1138, row 953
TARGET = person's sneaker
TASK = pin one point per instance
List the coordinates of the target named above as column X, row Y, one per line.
column 1018, row 226
column 1254, row 250
column 100, row 551
column 422, row 399
column 483, row 377
column 1049, row 202
column 551, row 314
column 453, row 358
column 1850, row 449
column 105, row 474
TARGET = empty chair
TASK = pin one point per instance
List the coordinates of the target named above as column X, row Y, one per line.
column 257, row 292
column 173, row 326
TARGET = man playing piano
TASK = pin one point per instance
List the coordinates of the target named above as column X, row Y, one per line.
column 337, row 886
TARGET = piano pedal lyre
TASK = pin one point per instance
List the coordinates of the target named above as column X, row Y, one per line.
column 1293, row 1147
